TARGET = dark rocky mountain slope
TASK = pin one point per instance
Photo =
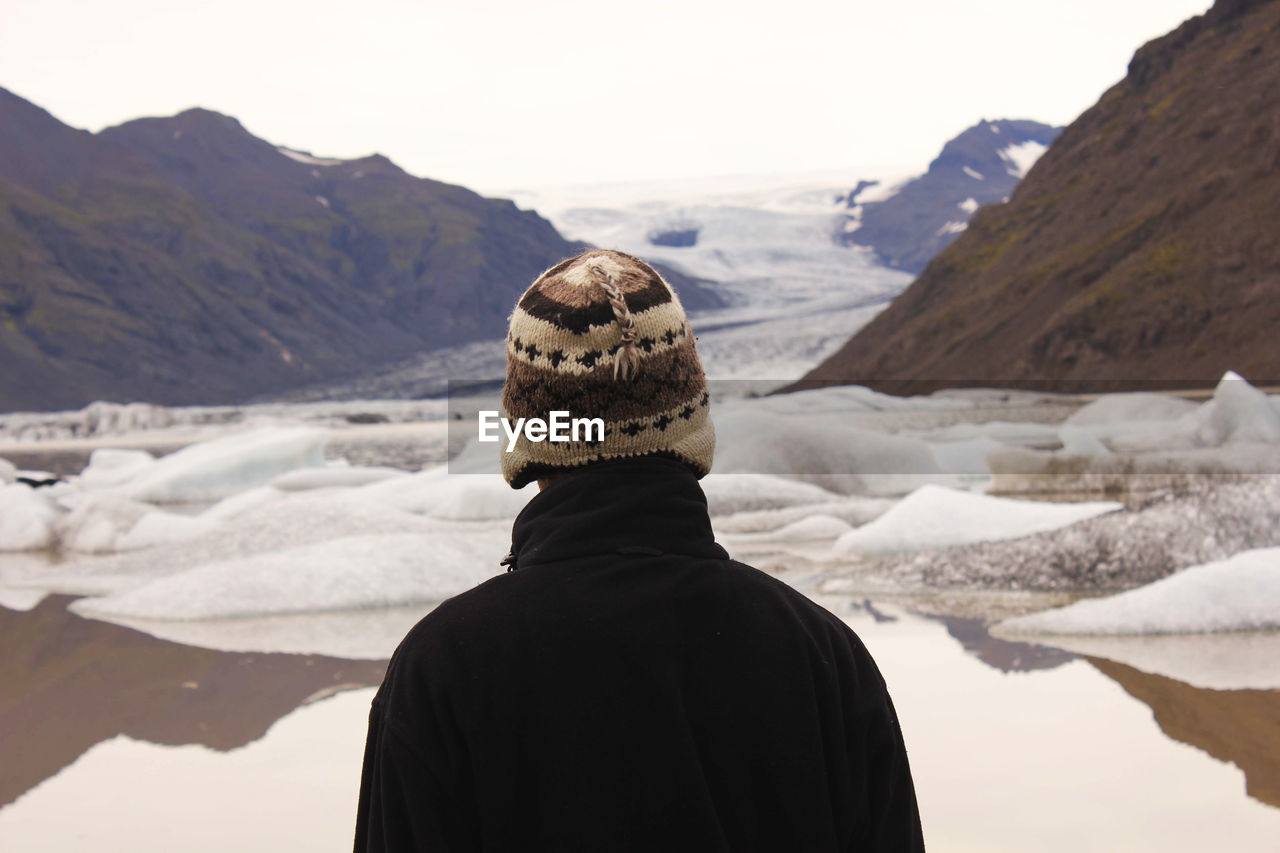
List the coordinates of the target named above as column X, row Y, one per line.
column 925, row 215
column 1142, row 247
column 183, row 260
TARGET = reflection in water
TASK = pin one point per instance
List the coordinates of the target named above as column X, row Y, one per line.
column 1240, row 726
column 1004, row 655
column 67, row 683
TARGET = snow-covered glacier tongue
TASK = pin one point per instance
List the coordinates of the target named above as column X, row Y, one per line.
column 768, row 244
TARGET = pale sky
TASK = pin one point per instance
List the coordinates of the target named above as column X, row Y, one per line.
column 508, row 94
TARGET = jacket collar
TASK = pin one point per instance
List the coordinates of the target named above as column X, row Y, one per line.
column 647, row 505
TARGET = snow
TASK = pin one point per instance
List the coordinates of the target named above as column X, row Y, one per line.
column 1021, row 157
column 974, row 173
column 954, row 227
column 934, row 517
column 322, row 201
column 1240, row 593
column 216, row 469
column 27, row 518
column 7, row 472
column 308, row 159
column 969, row 205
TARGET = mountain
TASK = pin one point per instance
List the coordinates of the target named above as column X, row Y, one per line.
column 907, row 225
column 183, row 260
column 1141, row 248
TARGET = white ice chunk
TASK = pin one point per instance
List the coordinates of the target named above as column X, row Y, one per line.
column 937, row 517
column 732, row 493
column 965, row 457
column 96, row 521
column 853, row 511
column 1238, row 413
column 347, row 573
column 1240, row 593
column 7, row 472
column 111, row 466
column 333, row 476
column 458, row 497
column 824, row 450
column 1078, row 441
column 239, row 504
column 810, row 528
column 216, row 469
column 162, row 528
column 27, row 519
column 1138, row 406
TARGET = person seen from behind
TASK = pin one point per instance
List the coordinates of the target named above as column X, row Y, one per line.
column 626, row 685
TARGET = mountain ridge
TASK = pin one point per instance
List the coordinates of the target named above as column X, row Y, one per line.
column 182, row 260
column 911, row 223
column 1137, row 252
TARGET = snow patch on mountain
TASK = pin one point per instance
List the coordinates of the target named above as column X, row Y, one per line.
column 1022, row 157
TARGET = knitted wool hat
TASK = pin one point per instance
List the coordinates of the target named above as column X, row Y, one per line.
column 602, row 335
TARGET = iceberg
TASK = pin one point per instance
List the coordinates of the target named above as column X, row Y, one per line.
column 350, row 572
column 215, row 469
column 822, row 449
column 935, row 517
column 1240, row 593
column 734, row 493
column 27, row 519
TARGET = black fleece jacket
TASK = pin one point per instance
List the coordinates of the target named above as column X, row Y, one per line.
column 628, row 687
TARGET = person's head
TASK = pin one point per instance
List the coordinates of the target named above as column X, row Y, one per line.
column 602, row 335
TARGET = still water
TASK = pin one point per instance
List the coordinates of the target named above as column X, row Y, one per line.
column 114, row 740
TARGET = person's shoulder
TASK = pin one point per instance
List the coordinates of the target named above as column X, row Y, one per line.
column 807, row 611
column 456, row 616
column 437, row 641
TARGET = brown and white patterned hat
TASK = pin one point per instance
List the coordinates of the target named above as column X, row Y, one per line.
column 602, row 335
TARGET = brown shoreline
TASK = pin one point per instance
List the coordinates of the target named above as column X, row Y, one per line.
column 68, row 683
